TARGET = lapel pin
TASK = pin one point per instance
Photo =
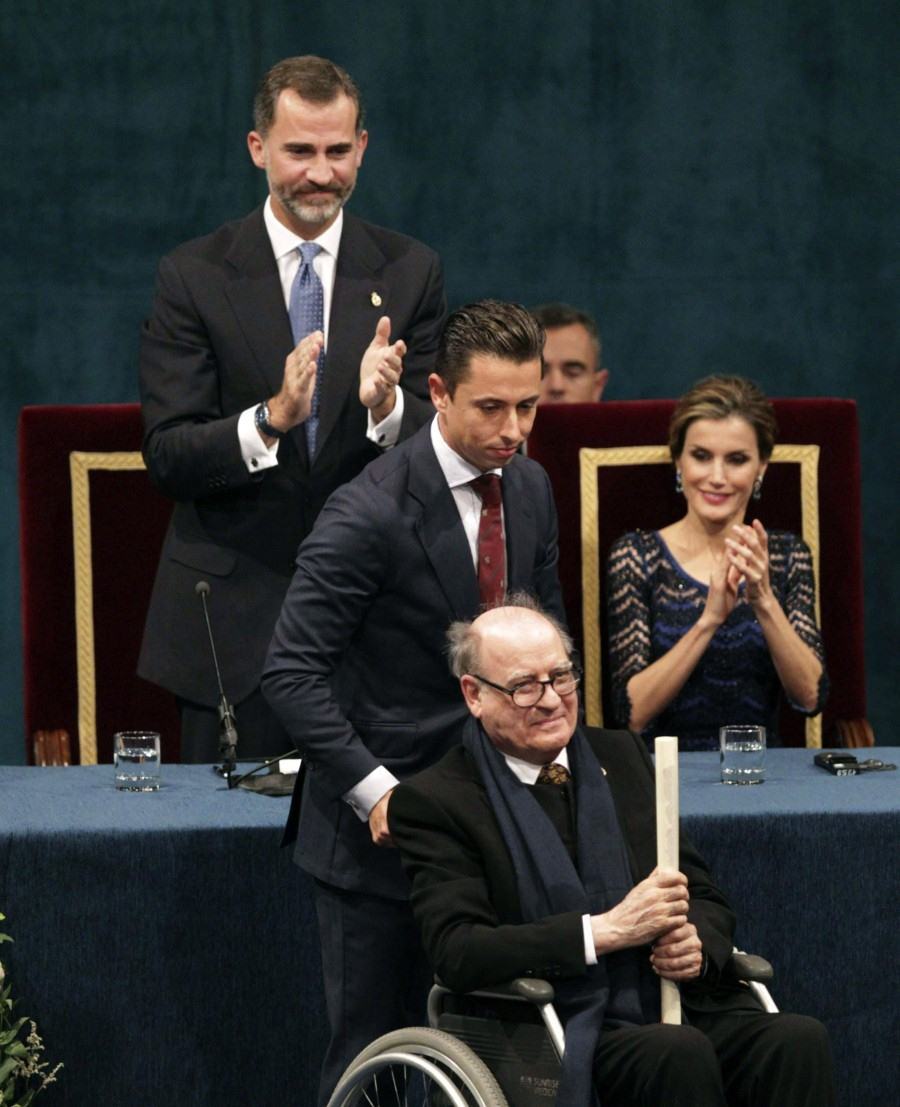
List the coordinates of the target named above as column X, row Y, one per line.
column 376, row 299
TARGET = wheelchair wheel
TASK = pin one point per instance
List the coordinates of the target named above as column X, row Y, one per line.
column 418, row 1067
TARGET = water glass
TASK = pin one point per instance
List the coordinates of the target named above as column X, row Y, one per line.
column 137, row 755
column 742, row 754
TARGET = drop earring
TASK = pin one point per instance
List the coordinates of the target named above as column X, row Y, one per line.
column 757, row 489
column 679, row 483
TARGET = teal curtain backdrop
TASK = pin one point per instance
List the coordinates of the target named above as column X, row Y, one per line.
column 716, row 179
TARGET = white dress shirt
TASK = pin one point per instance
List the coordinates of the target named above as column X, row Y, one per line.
column 459, row 474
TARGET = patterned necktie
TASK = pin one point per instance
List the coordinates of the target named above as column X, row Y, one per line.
column 491, row 546
column 307, row 314
column 553, row 773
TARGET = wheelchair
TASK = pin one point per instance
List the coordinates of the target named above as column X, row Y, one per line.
column 496, row 1047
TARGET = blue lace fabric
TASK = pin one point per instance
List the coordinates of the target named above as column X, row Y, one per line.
column 652, row 602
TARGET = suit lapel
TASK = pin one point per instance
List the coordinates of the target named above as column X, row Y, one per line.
column 257, row 300
column 440, row 529
column 519, row 520
column 357, row 281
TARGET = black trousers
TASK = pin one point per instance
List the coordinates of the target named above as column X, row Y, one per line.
column 742, row 1058
column 260, row 734
column 375, row 970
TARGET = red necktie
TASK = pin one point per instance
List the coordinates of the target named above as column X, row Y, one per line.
column 491, row 547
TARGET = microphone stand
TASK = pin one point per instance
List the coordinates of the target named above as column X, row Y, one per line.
column 234, row 781
column 228, row 736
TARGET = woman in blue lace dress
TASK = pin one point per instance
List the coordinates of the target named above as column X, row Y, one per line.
column 712, row 618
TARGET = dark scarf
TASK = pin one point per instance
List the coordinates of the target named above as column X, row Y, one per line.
column 548, row 884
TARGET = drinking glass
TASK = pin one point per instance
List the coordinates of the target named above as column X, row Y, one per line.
column 136, row 754
column 742, row 754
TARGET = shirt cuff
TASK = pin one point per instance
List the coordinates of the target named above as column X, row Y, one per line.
column 386, row 433
column 362, row 797
column 256, row 454
column 590, row 954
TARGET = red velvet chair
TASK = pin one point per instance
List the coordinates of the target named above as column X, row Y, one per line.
column 91, row 530
column 611, row 473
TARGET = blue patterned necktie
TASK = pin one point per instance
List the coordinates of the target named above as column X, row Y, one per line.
column 307, row 314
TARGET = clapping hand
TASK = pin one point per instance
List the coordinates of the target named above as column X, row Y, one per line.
column 380, row 371
column 724, row 581
column 293, row 403
column 747, row 552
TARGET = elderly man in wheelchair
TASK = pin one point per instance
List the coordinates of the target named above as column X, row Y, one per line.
column 531, row 854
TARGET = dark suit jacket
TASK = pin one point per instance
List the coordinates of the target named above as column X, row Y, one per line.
column 215, row 345
column 357, row 670
column 464, row 892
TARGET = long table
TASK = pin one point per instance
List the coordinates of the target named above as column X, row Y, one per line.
column 167, row 946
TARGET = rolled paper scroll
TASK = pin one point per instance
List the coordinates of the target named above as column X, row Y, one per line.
column 666, row 751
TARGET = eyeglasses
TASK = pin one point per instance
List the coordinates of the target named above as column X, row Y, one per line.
column 531, row 692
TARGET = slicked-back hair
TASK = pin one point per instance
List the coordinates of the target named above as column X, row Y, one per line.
column 313, row 78
column 555, row 315
column 720, row 398
column 463, row 653
column 489, row 327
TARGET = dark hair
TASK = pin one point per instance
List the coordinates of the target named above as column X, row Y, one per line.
column 312, row 78
column 554, row 315
column 490, row 327
column 463, row 644
column 719, row 398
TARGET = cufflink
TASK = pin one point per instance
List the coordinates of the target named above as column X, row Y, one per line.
column 376, row 299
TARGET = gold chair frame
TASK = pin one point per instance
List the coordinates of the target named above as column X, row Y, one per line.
column 81, row 464
column 591, row 461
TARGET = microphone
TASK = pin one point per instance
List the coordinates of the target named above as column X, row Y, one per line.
column 228, row 736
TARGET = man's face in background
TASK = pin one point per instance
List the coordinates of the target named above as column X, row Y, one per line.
column 572, row 374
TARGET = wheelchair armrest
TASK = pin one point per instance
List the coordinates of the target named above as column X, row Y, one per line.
column 530, row 988
column 747, row 967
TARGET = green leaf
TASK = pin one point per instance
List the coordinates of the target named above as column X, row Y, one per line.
column 7, row 1036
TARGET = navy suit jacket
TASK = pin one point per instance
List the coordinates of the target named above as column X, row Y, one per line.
column 464, row 892
column 215, row 345
column 357, row 670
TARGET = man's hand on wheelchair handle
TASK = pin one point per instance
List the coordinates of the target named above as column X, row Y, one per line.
column 378, row 822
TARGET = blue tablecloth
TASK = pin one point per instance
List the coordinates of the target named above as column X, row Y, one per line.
column 809, row 861
column 164, row 942
column 167, row 947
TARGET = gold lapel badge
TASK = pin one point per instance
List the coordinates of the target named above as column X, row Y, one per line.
column 376, row 299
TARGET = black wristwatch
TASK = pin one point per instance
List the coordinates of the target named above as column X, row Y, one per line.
column 261, row 418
